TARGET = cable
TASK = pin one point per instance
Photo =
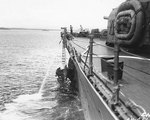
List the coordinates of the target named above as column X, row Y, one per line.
column 125, row 65
column 79, row 46
column 132, row 54
column 104, row 46
column 135, row 78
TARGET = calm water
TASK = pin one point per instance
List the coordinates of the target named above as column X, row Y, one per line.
column 26, row 59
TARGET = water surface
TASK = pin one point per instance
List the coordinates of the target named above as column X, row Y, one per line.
column 27, row 58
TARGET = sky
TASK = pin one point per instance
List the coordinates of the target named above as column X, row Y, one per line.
column 56, row 13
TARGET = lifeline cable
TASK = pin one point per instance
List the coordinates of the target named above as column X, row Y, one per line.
column 79, row 46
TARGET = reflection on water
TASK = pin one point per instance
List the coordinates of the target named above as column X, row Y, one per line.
column 28, row 60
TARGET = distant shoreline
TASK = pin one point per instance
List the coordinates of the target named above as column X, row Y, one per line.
column 3, row 28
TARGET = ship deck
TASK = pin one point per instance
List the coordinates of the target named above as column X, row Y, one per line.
column 135, row 84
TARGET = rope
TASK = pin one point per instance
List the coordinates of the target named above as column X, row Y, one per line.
column 138, row 70
column 79, row 45
column 135, row 78
column 86, row 57
column 93, row 45
column 87, row 51
column 132, row 54
column 103, row 46
column 130, row 74
column 80, row 40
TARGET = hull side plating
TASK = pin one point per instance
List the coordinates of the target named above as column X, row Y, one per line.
column 93, row 105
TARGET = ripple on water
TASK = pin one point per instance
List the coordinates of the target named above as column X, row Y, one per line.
column 22, row 70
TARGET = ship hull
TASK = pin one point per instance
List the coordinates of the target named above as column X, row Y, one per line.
column 93, row 106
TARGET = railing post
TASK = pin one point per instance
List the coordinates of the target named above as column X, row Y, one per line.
column 71, row 30
column 91, row 56
column 116, row 71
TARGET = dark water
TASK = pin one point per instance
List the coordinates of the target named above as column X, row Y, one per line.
column 29, row 59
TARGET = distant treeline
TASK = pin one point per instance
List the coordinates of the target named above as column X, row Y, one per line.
column 3, row 28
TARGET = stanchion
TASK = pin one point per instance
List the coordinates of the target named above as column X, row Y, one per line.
column 116, row 71
column 91, row 56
